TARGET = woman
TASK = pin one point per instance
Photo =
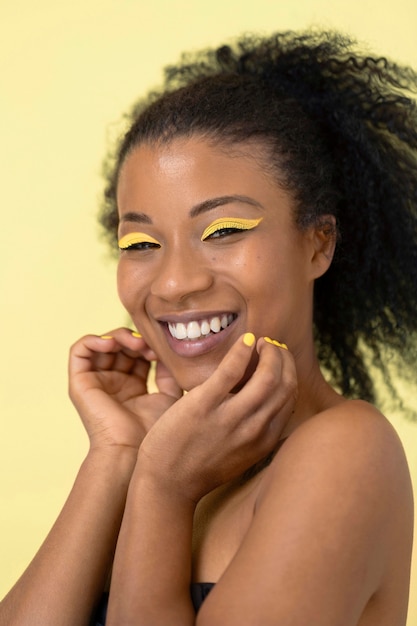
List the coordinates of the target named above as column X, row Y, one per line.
column 266, row 195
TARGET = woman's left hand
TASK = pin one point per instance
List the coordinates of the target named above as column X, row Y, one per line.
column 212, row 435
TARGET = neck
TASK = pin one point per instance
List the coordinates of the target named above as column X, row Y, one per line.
column 314, row 393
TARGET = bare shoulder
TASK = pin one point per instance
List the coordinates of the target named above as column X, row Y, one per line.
column 350, row 455
column 332, row 525
column 345, row 471
column 352, row 436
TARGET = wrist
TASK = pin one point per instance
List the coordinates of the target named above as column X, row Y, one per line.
column 117, row 461
column 159, row 489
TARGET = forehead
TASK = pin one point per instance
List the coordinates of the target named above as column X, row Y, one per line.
column 193, row 166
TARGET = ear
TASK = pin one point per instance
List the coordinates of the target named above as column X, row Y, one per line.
column 323, row 237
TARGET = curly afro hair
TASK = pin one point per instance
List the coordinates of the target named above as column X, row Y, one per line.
column 339, row 131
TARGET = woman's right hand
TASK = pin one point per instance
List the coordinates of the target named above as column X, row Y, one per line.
column 108, row 385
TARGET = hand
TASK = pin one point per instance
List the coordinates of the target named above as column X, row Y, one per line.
column 212, row 435
column 108, row 384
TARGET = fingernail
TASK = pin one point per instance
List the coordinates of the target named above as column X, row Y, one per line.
column 106, row 337
column 135, row 334
column 276, row 343
column 249, row 339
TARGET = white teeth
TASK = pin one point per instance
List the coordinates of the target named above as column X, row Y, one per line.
column 194, row 329
column 205, row 327
column 215, row 325
column 180, row 331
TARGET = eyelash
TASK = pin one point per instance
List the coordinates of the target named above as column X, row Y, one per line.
column 138, row 241
column 219, row 228
column 140, row 245
column 227, row 226
column 223, row 232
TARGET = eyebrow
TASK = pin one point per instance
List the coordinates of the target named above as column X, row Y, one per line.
column 208, row 205
column 139, row 218
column 198, row 209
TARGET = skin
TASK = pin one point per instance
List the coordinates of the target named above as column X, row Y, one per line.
column 189, row 279
column 186, row 278
column 323, row 534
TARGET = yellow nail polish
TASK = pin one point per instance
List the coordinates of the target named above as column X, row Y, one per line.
column 235, row 223
column 106, row 337
column 135, row 334
column 249, row 339
column 276, row 343
column 281, row 345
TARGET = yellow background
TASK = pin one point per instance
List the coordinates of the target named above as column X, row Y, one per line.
column 67, row 72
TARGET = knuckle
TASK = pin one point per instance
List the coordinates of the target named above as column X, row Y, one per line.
column 289, row 381
column 252, row 429
column 74, row 348
column 81, row 341
column 270, row 379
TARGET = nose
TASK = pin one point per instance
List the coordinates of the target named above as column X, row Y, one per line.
column 180, row 276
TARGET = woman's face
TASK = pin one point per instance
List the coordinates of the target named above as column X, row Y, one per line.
column 213, row 253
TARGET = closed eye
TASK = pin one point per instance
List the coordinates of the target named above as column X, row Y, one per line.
column 138, row 241
column 228, row 226
column 143, row 245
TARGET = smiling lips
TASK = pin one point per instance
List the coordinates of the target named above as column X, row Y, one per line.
column 196, row 329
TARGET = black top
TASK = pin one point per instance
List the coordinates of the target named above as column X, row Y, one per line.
column 199, row 592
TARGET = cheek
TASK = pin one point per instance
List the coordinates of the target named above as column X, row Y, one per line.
column 126, row 286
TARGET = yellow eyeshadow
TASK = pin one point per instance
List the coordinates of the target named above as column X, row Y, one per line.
column 130, row 239
column 240, row 223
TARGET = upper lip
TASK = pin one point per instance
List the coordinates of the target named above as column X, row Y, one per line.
column 191, row 316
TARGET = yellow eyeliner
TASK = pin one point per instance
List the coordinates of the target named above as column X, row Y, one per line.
column 131, row 238
column 239, row 223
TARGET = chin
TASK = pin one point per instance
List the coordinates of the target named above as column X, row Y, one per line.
column 197, row 375
column 194, row 379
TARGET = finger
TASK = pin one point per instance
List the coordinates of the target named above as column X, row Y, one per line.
column 120, row 362
column 273, row 381
column 83, row 351
column 165, row 382
column 268, row 398
column 229, row 372
column 134, row 344
column 100, row 352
